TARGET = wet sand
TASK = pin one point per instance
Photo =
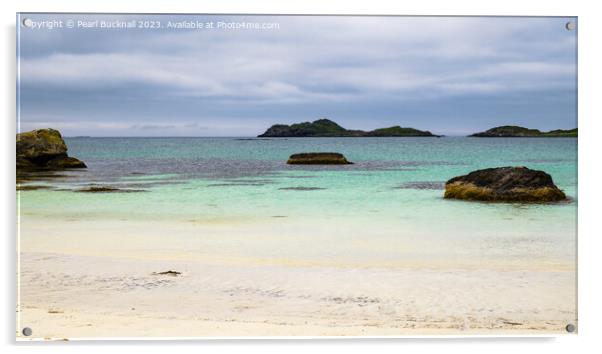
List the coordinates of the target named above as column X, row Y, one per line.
column 72, row 289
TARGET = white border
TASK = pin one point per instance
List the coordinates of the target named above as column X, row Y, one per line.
column 18, row 20
column 589, row 170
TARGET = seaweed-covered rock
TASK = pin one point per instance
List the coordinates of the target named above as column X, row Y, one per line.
column 40, row 143
column 44, row 149
column 318, row 158
column 505, row 184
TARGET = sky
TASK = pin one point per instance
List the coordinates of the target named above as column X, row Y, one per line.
column 448, row 75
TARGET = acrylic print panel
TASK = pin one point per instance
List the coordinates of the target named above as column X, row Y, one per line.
column 220, row 175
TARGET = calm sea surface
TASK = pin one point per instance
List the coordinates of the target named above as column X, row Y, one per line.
column 393, row 192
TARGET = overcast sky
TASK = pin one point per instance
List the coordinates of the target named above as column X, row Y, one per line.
column 448, row 75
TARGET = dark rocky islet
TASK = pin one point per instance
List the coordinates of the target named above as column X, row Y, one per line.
column 513, row 131
column 327, row 128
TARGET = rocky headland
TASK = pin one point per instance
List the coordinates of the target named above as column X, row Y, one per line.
column 512, row 131
column 327, row 128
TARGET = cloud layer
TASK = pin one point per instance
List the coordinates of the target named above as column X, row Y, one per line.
column 452, row 75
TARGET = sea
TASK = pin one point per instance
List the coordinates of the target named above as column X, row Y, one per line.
column 384, row 210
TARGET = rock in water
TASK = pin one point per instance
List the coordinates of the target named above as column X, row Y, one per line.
column 44, row 149
column 504, row 184
column 318, row 158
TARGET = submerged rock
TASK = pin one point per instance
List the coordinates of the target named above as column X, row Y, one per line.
column 44, row 149
column 505, row 184
column 318, row 158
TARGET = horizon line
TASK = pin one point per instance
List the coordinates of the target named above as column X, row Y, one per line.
column 257, row 137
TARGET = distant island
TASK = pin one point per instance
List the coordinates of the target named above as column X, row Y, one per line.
column 512, row 131
column 327, row 128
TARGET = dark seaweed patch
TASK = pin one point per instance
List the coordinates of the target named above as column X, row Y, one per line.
column 254, row 180
column 107, row 189
column 235, row 184
column 422, row 185
column 151, row 184
column 300, row 188
column 31, row 187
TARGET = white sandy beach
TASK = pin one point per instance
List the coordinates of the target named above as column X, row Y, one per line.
column 104, row 286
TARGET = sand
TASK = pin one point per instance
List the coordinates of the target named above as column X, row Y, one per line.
column 105, row 285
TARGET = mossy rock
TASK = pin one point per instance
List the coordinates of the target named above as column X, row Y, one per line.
column 40, row 143
column 44, row 149
column 504, row 184
column 318, row 158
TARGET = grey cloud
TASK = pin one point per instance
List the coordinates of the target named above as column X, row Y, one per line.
column 312, row 65
column 152, row 126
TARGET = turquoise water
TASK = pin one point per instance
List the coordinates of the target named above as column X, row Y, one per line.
column 392, row 194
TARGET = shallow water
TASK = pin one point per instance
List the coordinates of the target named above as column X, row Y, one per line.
column 386, row 207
